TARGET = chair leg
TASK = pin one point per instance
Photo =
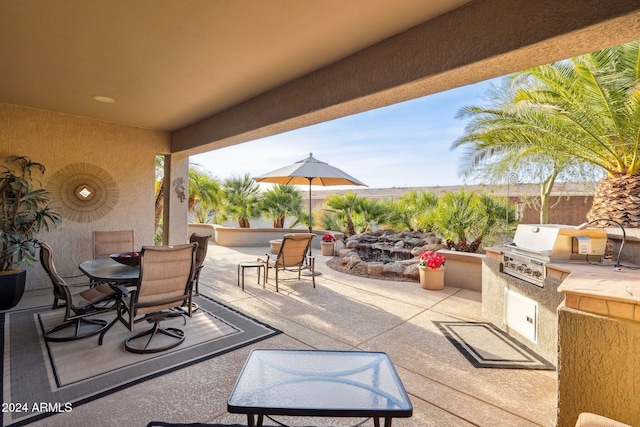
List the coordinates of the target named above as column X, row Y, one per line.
column 156, row 318
column 77, row 325
column 196, row 281
column 177, row 334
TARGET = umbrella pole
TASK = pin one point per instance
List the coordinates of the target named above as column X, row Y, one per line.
column 308, row 273
column 310, row 227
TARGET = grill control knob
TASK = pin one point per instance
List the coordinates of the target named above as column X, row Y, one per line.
column 527, row 270
column 536, row 273
column 521, row 267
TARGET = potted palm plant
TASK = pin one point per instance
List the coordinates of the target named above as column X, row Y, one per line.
column 24, row 210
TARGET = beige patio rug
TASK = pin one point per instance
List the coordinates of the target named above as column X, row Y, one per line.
column 41, row 378
column 486, row 346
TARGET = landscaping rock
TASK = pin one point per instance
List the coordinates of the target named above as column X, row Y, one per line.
column 386, row 253
column 395, row 268
column 375, row 268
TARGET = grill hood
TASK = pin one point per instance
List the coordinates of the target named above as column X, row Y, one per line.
column 554, row 242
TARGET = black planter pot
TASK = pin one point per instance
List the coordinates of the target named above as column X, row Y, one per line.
column 11, row 289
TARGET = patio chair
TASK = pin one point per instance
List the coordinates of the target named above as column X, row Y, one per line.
column 94, row 298
column 201, row 255
column 292, row 256
column 106, row 243
column 164, row 291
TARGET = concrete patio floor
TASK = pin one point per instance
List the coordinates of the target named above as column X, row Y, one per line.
column 344, row 312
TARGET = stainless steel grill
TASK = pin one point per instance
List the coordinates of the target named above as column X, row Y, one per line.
column 535, row 245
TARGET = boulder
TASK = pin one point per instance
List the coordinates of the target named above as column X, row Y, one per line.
column 394, row 268
column 375, row 268
column 412, row 271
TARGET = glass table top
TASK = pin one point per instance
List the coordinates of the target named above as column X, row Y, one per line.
column 316, row 382
column 110, row 270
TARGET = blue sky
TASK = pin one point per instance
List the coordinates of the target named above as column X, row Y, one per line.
column 402, row 145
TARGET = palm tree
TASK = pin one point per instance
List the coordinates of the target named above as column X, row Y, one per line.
column 411, row 211
column 281, row 201
column 241, row 196
column 592, row 104
column 504, row 139
column 204, row 191
column 353, row 214
column 159, row 188
column 466, row 218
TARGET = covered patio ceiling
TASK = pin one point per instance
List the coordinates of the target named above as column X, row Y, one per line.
column 216, row 73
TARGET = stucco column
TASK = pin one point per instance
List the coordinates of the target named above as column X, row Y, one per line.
column 598, row 366
column 176, row 199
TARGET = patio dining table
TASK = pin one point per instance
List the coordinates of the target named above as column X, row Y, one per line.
column 118, row 275
column 108, row 270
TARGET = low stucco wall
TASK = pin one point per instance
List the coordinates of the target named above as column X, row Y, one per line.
column 253, row 237
column 201, row 229
column 463, row 269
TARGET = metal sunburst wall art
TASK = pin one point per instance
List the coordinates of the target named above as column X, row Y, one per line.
column 85, row 191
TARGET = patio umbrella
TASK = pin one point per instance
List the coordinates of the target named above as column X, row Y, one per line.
column 309, row 171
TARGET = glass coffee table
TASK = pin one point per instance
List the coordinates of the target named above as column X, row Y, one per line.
column 319, row 383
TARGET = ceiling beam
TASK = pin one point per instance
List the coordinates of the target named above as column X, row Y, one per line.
column 482, row 40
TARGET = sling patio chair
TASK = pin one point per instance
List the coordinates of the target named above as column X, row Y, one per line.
column 164, row 291
column 292, row 256
column 81, row 300
column 106, row 243
column 201, row 255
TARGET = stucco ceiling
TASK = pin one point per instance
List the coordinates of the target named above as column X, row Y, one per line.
column 169, row 63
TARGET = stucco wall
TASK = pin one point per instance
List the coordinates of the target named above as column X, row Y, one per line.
column 598, row 367
column 58, row 140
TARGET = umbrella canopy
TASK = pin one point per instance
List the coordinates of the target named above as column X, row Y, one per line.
column 309, row 171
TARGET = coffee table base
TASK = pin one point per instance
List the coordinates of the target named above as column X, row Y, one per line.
column 252, row 422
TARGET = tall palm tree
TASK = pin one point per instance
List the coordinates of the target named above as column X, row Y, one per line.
column 242, row 202
column 591, row 105
column 504, row 139
column 281, row 201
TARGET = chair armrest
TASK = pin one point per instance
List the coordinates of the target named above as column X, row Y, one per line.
column 75, row 276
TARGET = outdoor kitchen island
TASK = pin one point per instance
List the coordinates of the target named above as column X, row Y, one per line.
column 587, row 323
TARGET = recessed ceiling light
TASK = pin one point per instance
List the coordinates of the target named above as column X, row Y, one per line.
column 105, row 99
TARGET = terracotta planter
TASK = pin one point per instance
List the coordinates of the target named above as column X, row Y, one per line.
column 327, row 248
column 11, row 288
column 432, row 279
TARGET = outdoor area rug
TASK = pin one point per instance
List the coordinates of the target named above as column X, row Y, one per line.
column 41, row 378
column 487, row 346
